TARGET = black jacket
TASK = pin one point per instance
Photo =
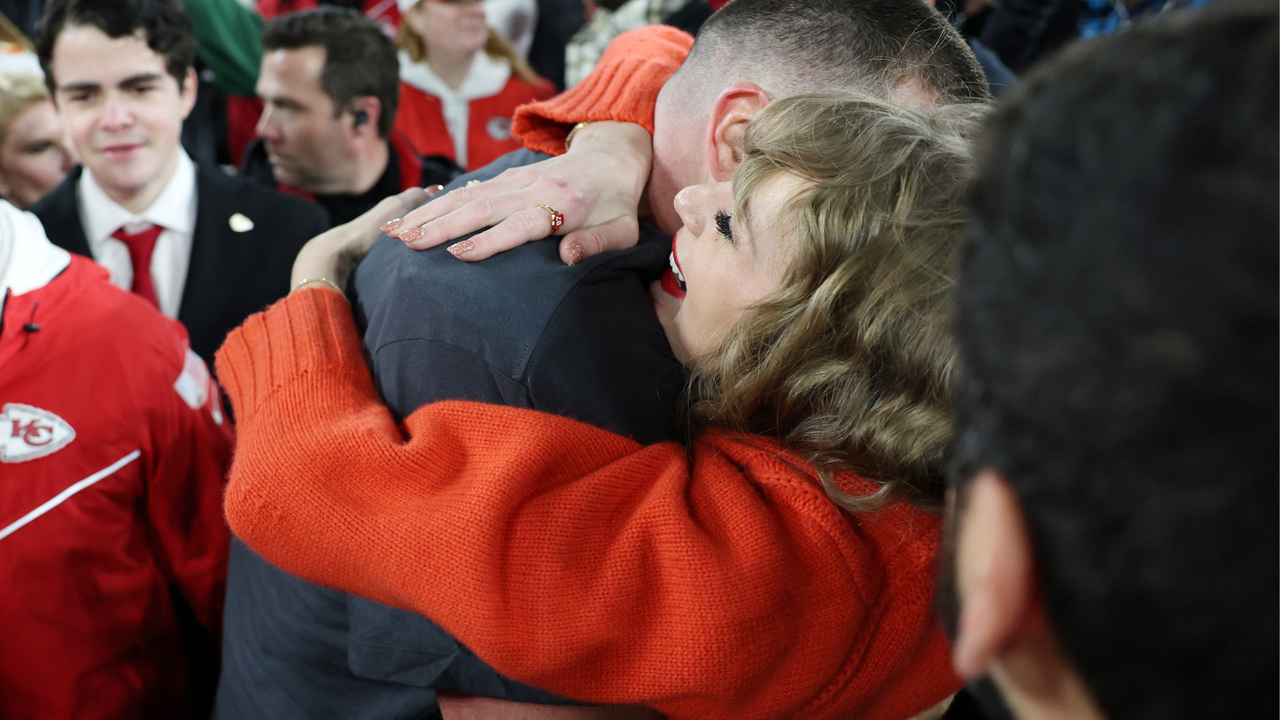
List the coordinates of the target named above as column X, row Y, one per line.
column 232, row 274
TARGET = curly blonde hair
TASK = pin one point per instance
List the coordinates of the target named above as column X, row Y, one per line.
column 850, row 362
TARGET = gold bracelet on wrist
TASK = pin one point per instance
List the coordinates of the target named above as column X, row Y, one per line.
column 322, row 280
column 569, row 138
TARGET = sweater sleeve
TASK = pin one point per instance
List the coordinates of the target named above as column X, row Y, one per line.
column 566, row 556
column 623, row 87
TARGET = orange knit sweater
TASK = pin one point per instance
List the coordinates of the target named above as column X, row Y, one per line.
column 623, row 87
column 720, row 582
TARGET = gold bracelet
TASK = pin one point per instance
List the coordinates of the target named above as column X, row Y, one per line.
column 324, row 280
column 569, row 138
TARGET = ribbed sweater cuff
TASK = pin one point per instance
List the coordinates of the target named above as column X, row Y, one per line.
column 311, row 328
column 624, row 87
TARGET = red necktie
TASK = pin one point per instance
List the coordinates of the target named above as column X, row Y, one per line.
column 141, row 245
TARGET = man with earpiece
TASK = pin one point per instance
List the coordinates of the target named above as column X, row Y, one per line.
column 329, row 84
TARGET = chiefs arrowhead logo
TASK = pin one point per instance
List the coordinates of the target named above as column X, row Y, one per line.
column 27, row 433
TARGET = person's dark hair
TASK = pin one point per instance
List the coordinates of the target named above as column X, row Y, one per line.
column 1117, row 314
column 359, row 60
column 877, row 47
column 166, row 27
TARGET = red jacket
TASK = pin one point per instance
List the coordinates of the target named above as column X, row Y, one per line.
column 421, row 117
column 384, row 12
column 113, row 447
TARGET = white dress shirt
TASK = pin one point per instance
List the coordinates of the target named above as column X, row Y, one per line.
column 486, row 77
column 174, row 210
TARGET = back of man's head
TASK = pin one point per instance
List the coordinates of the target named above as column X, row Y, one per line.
column 900, row 50
column 1118, row 320
column 166, row 27
column 360, row 61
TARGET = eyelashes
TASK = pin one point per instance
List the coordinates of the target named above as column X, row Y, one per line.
column 722, row 225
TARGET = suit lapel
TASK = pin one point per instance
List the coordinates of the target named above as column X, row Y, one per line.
column 215, row 253
column 61, row 217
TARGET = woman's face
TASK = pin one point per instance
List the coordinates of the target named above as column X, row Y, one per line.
column 453, row 26
column 35, row 155
column 721, row 264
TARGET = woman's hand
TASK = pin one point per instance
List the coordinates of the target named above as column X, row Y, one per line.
column 597, row 186
column 333, row 254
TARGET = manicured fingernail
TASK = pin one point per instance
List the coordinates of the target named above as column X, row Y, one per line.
column 412, row 235
column 434, row 189
column 462, row 248
column 389, row 227
column 576, row 252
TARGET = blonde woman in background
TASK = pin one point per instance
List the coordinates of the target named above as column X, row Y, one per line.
column 34, row 153
column 460, row 82
column 779, row 565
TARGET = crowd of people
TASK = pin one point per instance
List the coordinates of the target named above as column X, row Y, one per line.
column 752, row 359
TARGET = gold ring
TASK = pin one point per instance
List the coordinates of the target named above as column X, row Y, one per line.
column 473, row 182
column 557, row 218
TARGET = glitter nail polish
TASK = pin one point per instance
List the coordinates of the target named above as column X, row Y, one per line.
column 576, row 252
column 462, row 248
column 412, row 235
column 392, row 225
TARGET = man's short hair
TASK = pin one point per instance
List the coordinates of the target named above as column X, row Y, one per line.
column 166, row 27
column 359, row 60
column 789, row 47
column 1117, row 315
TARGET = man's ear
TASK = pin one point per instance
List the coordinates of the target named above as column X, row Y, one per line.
column 733, row 109
column 188, row 88
column 365, row 113
column 995, row 573
column 1003, row 627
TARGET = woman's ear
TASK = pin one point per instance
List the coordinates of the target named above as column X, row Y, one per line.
column 733, row 109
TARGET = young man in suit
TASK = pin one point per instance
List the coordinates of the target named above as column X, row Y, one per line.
column 203, row 247
column 330, row 86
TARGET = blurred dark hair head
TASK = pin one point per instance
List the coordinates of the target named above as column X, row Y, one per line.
column 1117, row 314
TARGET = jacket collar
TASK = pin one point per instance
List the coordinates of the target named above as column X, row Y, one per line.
column 487, row 76
column 28, row 260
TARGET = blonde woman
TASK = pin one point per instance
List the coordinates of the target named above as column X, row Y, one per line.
column 460, row 82
column 34, row 153
column 778, row 566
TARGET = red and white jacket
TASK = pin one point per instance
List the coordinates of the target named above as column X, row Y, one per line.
column 113, row 449
column 470, row 125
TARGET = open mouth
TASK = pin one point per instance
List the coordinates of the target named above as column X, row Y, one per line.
column 673, row 280
column 675, row 269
